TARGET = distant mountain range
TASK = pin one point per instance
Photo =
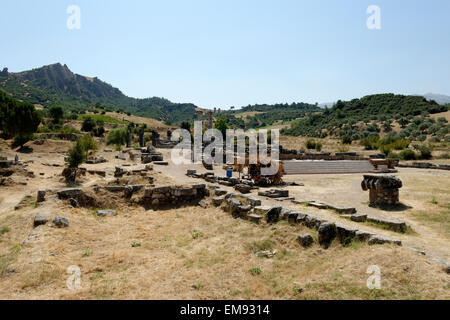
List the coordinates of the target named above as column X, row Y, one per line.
column 439, row 98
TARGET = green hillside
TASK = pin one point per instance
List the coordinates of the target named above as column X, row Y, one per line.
column 57, row 85
column 262, row 115
column 360, row 118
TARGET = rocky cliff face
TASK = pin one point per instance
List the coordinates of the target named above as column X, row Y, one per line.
column 60, row 77
column 56, row 84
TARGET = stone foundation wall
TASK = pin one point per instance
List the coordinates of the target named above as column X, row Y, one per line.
column 173, row 194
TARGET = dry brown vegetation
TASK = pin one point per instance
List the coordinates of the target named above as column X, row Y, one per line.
column 171, row 263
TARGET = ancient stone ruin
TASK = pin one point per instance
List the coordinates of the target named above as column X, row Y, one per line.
column 157, row 142
column 383, row 189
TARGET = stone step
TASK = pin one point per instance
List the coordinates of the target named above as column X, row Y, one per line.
column 317, row 167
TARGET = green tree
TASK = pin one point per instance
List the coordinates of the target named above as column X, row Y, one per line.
column 222, row 126
column 387, row 126
column 57, row 113
column 88, row 124
column 20, row 119
column 76, row 156
column 403, row 122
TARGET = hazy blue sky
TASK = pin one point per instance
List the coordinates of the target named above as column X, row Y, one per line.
column 222, row 53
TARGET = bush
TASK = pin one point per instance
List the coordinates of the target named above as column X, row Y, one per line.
column 68, row 130
column 20, row 140
column 57, row 113
column 386, row 149
column 87, row 143
column 400, row 144
column 435, row 139
column 370, row 143
column 346, row 140
column 407, row 154
column 421, row 137
column 310, row 144
column 118, row 136
column 425, row 152
column 318, row 146
column 444, row 156
column 88, row 124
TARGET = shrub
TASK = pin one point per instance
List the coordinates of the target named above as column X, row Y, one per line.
column 444, row 156
column 346, row 140
column 425, row 152
column 407, row 154
column 68, row 130
column 435, row 139
column 87, row 143
column 255, row 271
column 20, row 140
column 318, row 146
column 88, row 124
column 370, row 143
column 310, row 144
column 401, row 144
column 56, row 112
column 117, row 136
column 386, row 149
column 422, row 137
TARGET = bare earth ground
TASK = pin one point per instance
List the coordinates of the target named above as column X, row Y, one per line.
column 196, row 253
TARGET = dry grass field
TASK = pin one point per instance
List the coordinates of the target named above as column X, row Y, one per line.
column 192, row 253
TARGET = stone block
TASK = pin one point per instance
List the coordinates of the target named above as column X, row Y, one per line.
column 105, row 213
column 305, row 240
column 327, row 233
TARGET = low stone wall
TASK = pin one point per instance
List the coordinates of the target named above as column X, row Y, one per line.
column 425, row 165
column 173, row 194
column 62, row 136
column 248, row 208
column 306, row 156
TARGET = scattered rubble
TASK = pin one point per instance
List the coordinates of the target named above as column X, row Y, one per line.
column 61, row 222
column 41, row 219
column 105, row 213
